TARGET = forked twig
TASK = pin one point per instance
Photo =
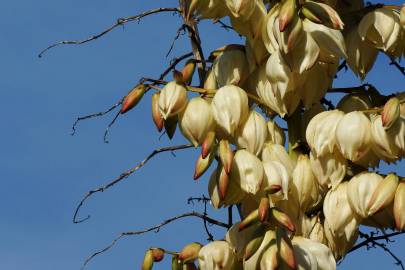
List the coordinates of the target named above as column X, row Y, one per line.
column 123, row 176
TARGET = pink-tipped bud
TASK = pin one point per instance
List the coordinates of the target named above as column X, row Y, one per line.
column 202, row 165
column 390, row 113
column 399, row 207
column 322, row 14
column 252, row 247
column 190, row 252
column 133, row 97
column 248, row 221
column 264, row 208
column 188, row 71
column 156, row 116
column 283, row 219
column 285, row 248
column 287, row 12
column 226, row 155
column 157, row 254
column 147, row 263
column 383, row 194
column 208, row 144
column 223, row 183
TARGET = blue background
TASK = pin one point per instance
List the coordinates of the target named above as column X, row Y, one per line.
column 44, row 171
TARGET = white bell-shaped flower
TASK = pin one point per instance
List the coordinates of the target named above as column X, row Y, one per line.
column 320, row 133
column 217, row 255
column 399, row 207
column 253, row 133
column 230, row 108
column 196, row 120
column 276, row 175
column 323, row 256
column 247, row 171
column 241, row 8
column 387, row 142
column 172, row 99
column 329, row 169
column 353, row 135
column 276, row 152
column 275, row 133
column 230, row 67
column 354, row 102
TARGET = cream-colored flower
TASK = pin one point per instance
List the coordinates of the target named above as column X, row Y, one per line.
column 241, row 8
column 330, row 169
column 252, row 134
column 354, row 102
column 276, row 175
column 353, row 135
column 275, row 133
column 208, row 9
column 230, row 67
column 172, row 99
column 247, row 171
column 322, row 257
column 399, row 206
column 230, row 108
column 276, row 152
column 217, row 255
column 196, row 120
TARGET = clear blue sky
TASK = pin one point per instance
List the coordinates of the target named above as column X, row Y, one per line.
column 44, row 171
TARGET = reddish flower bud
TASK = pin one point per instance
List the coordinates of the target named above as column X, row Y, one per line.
column 133, row 97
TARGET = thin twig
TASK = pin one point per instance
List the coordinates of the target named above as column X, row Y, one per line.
column 173, row 64
column 180, row 31
column 223, row 25
column 397, row 65
column 328, row 103
column 156, row 229
column 81, row 118
column 109, row 126
column 374, row 238
column 119, row 22
column 125, row 175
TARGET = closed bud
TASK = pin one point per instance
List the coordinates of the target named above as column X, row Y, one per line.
column 285, row 248
column 133, row 97
column 217, row 255
column 190, row 252
column 147, row 263
column 283, row 219
column 157, row 254
column 322, row 14
column 156, row 116
column 390, row 112
column 223, row 183
column 253, row 246
column 252, row 134
column 264, row 208
column 269, row 259
column 188, row 71
column 287, row 12
column 210, row 81
column 172, row 99
column 247, row 171
column 196, row 120
column 230, row 108
column 354, row 102
column 255, row 261
column 170, row 125
column 383, row 194
column 226, row 155
column 208, row 144
column 203, row 164
column 354, row 145
column 248, row 221
column 399, row 207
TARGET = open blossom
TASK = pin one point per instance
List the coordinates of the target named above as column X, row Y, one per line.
column 172, row 99
column 230, row 108
column 276, row 175
column 312, row 254
column 329, row 169
column 196, row 120
column 217, row 255
column 276, row 152
column 253, row 133
column 247, row 171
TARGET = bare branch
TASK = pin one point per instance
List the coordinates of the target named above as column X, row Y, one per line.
column 180, row 31
column 397, row 65
column 109, row 126
column 119, row 22
column 223, row 25
column 374, row 238
column 173, row 64
column 156, row 228
column 125, row 175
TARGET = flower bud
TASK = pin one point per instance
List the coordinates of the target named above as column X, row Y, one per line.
column 223, row 183
column 384, row 140
column 196, row 120
column 133, row 97
column 283, row 219
column 252, row 134
column 353, row 145
column 188, row 71
column 230, row 108
column 383, row 194
column 285, row 248
column 217, row 255
column 208, row 144
column 360, row 191
column 287, row 12
column 390, row 112
column 157, row 254
column 320, row 133
column 172, row 99
column 276, row 175
column 247, row 171
column 399, row 206
column 264, row 208
column 248, row 221
column 226, row 155
column 230, row 67
column 253, row 246
column 269, row 259
column 147, row 263
column 241, row 8
column 304, row 184
column 330, row 169
column 239, row 239
column 210, row 81
column 156, row 116
column 203, row 164
column 190, row 252
column 323, row 14
column 255, row 261
column 275, row 133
